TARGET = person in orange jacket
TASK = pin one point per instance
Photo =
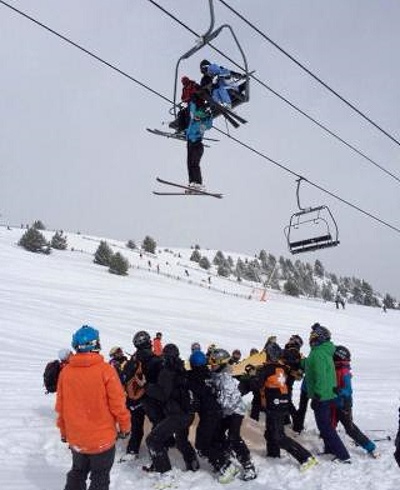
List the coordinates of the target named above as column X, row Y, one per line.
column 157, row 345
column 91, row 412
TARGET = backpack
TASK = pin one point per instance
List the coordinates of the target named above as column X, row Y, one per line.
column 134, row 387
column 50, row 376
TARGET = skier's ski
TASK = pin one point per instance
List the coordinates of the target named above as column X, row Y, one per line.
column 190, row 191
column 157, row 193
column 230, row 115
column 176, row 136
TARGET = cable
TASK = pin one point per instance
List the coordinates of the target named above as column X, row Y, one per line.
column 284, row 99
column 245, row 145
column 309, row 72
column 86, row 51
column 317, row 186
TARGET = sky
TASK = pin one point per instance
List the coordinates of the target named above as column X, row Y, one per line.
column 45, row 299
column 75, row 152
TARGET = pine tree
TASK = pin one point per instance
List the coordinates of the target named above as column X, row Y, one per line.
column 149, row 245
column 131, row 244
column 59, row 241
column 119, row 265
column 219, row 258
column 389, row 302
column 319, row 270
column 196, row 256
column 291, row 288
column 34, row 241
column 223, row 270
column 38, row 225
column 103, row 254
column 204, row 263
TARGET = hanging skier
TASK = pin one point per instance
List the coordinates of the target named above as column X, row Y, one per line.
column 199, row 121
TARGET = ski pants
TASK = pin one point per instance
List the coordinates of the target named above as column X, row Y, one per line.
column 206, row 441
column 137, row 423
column 397, row 445
column 97, row 465
column 230, row 432
column 333, row 443
column 194, row 153
column 345, row 416
column 160, row 435
column 256, row 405
column 277, row 439
column 292, row 409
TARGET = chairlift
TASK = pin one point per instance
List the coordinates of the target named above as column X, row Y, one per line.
column 324, row 230
column 239, row 96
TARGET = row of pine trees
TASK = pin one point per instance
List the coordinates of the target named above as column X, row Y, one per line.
column 293, row 278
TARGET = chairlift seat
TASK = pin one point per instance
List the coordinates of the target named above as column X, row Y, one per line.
column 312, row 244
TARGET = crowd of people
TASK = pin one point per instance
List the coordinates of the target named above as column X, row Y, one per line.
column 99, row 401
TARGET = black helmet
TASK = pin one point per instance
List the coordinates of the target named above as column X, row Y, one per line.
column 319, row 335
column 219, row 357
column 142, row 340
column 203, row 66
column 341, row 353
column 296, row 340
column 171, row 350
column 273, row 351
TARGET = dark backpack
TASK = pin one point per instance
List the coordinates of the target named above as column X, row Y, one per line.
column 50, row 376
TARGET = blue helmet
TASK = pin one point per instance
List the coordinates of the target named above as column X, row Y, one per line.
column 86, row 339
column 198, row 358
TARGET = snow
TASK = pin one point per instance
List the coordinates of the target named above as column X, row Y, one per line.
column 44, row 299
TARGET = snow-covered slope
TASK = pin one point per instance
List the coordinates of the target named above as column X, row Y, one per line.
column 44, row 299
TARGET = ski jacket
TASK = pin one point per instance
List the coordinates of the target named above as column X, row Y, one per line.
column 343, row 382
column 118, row 365
column 157, row 347
column 190, row 87
column 320, row 372
column 171, row 389
column 90, row 404
column 199, row 122
column 204, row 392
column 275, row 385
column 228, row 393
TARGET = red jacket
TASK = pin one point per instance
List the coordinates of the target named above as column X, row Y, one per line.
column 157, row 346
column 90, row 404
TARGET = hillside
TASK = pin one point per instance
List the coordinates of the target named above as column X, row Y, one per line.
column 44, row 299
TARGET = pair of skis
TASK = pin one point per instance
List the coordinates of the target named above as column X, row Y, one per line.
column 185, row 190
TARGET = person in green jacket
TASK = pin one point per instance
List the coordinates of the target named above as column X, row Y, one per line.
column 320, row 379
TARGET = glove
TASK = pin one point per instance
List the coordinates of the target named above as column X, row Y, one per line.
column 250, row 370
column 315, row 401
column 124, row 435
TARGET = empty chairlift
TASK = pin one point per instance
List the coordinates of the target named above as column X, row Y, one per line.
column 311, row 229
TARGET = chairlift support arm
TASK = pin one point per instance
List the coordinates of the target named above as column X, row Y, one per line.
column 205, row 39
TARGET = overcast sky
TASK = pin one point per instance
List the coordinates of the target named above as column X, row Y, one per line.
column 74, row 151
